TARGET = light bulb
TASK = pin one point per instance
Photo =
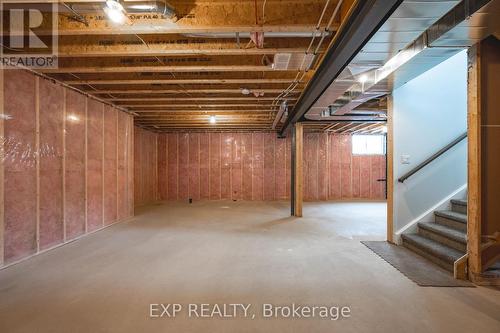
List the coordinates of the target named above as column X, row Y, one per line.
column 212, row 120
column 73, row 118
column 114, row 11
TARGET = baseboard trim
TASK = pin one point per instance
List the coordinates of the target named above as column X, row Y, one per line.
column 413, row 224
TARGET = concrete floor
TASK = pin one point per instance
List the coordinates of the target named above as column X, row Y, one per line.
column 233, row 252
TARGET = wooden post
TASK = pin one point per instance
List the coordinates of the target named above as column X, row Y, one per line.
column 297, row 169
column 390, row 169
column 103, row 203
column 86, row 164
column 37, row 156
column 474, row 161
column 131, row 166
column 2, row 158
column 64, row 165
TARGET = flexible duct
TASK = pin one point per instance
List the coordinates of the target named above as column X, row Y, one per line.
column 160, row 7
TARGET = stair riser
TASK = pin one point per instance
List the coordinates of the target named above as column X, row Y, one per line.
column 459, row 208
column 451, row 223
column 442, row 239
column 423, row 253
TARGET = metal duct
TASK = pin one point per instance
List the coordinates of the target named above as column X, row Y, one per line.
column 160, row 7
column 156, row 7
column 464, row 25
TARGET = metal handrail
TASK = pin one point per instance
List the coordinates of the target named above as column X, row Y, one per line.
column 432, row 158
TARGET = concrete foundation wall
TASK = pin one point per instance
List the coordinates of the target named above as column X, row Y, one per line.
column 61, row 179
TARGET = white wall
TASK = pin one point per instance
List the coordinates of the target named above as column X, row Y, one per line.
column 429, row 112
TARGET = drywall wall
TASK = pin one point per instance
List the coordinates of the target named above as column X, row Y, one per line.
column 253, row 166
column 429, row 112
column 61, row 179
column 145, row 161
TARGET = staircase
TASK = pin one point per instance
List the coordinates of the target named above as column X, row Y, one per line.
column 443, row 241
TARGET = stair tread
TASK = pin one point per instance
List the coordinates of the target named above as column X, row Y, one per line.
column 450, row 233
column 436, row 249
column 461, row 202
column 459, row 217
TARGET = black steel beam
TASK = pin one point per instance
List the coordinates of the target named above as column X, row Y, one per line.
column 365, row 19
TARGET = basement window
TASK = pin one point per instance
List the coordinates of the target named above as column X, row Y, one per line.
column 368, row 144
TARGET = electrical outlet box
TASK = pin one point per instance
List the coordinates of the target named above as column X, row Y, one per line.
column 405, row 159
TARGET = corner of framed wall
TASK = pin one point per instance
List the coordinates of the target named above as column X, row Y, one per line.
column 474, row 161
column 2, row 157
column 390, row 169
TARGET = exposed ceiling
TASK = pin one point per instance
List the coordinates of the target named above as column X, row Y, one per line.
column 175, row 73
column 416, row 36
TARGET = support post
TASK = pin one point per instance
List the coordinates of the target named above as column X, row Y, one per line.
column 390, row 169
column 2, row 159
column 297, row 169
column 474, row 161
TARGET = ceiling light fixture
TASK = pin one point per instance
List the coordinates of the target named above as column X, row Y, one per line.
column 213, row 120
column 73, row 118
column 363, row 78
column 115, row 12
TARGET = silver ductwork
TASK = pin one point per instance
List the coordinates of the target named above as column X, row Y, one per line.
column 467, row 23
column 153, row 7
column 161, row 7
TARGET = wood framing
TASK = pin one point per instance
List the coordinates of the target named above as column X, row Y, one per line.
column 297, row 169
column 87, row 165
column 390, row 169
column 117, row 128
column 103, row 161
column 37, row 150
column 160, row 69
column 205, row 17
column 474, row 161
column 131, row 138
column 2, row 157
column 64, row 166
column 210, row 52
column 174, row 81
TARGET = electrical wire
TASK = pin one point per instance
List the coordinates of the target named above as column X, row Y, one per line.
column 183, row 88
column 264, row 12
column 327, row 30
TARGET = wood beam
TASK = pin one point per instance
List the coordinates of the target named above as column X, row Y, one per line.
column 199, row 108
column 173, row 81
column 342, row 128
column 390, row 169
column 187, row 91
column 186, row 99
column 474, row 161
column 297, row 169
column 354, row 128
column 194, row 112
column 159, row 69
column 203, row 17
column 2, row 196
column 208, row 124
column 175, row 45
column 139, row 52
